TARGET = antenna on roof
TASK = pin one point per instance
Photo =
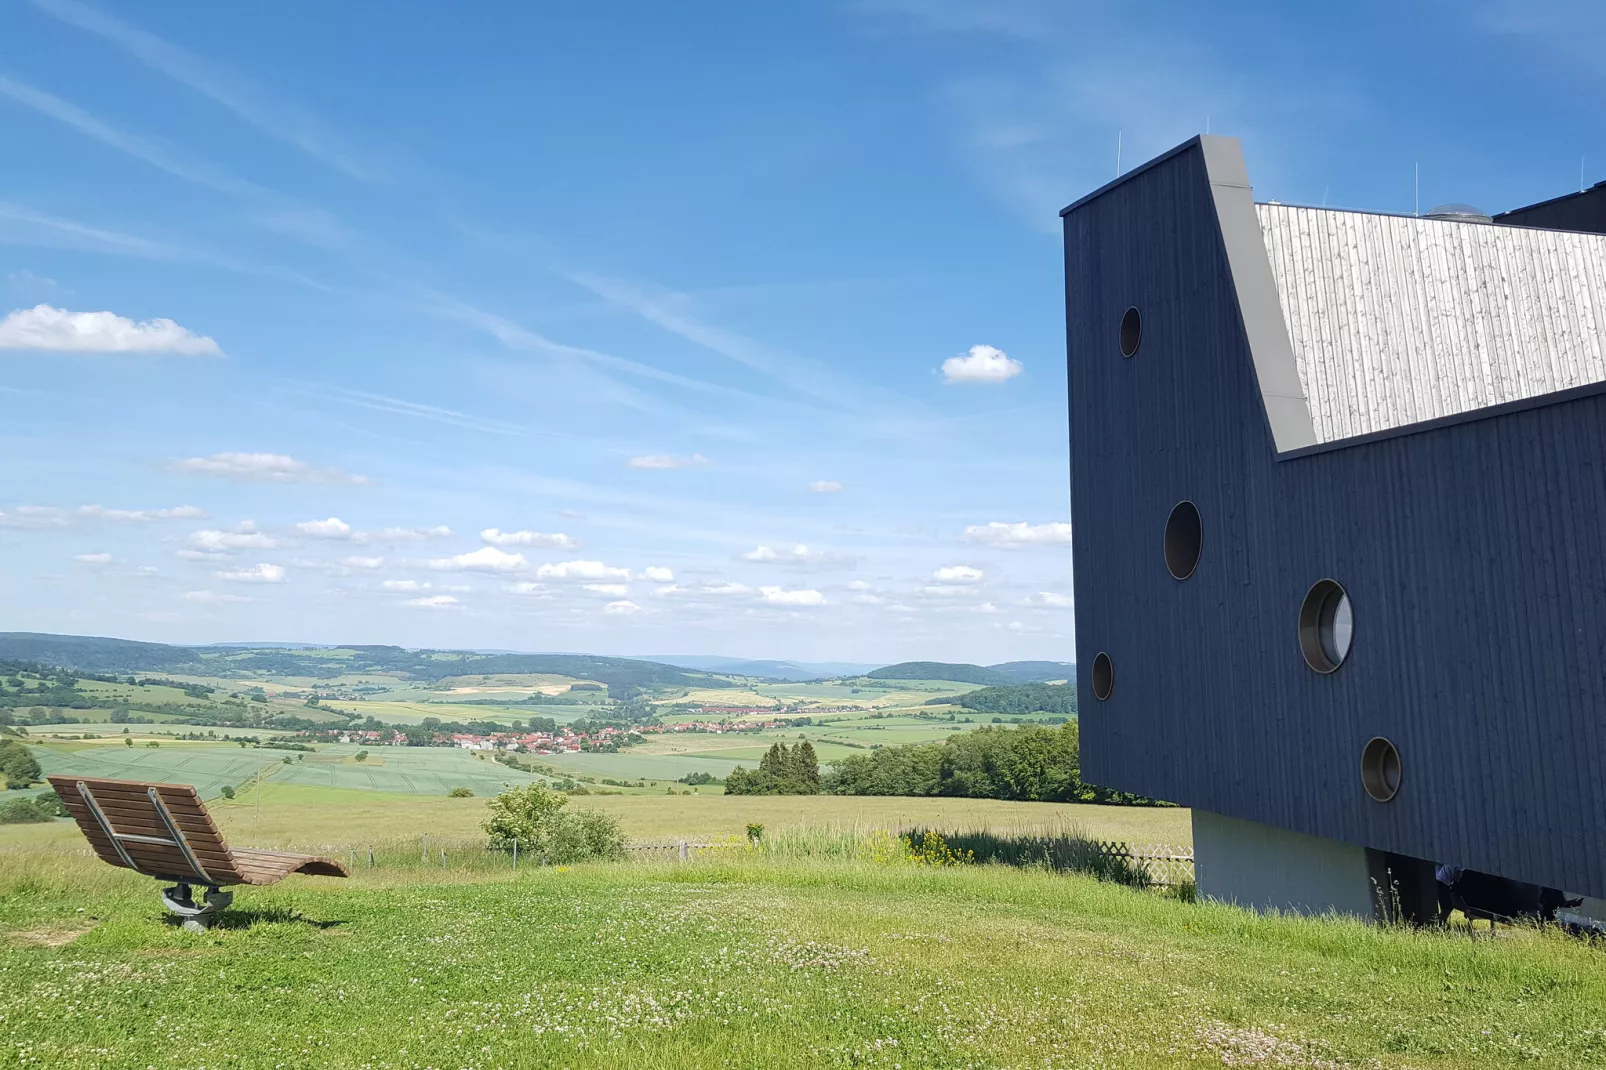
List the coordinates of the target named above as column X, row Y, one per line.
column 1416, row 203
column 1118, row 153
column 1580, row 174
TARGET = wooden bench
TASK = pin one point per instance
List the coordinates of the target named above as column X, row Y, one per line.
column 164, row 831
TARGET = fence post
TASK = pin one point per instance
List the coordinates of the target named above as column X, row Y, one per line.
column 443, row 858
column 424, row 856
column 370, row 856
column 685, row 853
column 515, row 854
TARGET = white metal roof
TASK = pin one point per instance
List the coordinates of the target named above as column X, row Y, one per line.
column 1396, row 319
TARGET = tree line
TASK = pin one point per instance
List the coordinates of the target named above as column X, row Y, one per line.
column 1030, row 763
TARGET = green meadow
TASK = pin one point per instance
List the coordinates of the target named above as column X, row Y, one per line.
column 802, row 954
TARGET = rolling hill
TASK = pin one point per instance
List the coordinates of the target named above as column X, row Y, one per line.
column 940, row 670
column 120, row 657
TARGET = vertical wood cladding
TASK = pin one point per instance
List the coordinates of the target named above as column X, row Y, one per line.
column 1473, row 554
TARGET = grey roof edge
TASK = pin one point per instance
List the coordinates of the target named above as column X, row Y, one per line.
column 1282, row 394
column 1488, row 412
column 1128, row 175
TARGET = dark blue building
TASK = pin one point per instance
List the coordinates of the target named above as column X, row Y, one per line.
column 1338, row 487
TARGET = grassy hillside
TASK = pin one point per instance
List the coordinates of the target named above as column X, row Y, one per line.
column 938, row 670
column 757, row 960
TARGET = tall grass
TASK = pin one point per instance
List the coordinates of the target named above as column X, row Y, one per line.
column 1066, row 851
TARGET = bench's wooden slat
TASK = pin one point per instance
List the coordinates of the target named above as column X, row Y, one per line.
column 127, row 806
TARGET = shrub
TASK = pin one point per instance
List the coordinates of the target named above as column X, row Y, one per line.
column 755, row 831
column 534, row 818
column 17, row 765
column 50, row 804
column 460, row 793
column 360, row 756
column 228, row 791
column 20, row 812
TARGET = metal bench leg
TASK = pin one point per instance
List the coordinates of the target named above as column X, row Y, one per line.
column 180, row 900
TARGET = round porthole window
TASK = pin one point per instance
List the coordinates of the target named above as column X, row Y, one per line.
column 1326, row 626
column 1131, row 332
column 1380, row 769
column 1103, row 676
column 1184, row 538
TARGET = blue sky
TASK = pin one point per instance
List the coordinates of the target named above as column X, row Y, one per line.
column 638, row 328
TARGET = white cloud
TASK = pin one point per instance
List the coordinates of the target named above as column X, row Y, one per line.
column 621, row 608
column 93, row 559
column 950, row 592
column 860, row 585
column 33, row 516
column 58, row 331
column 526, row 587
column 957, row 574
column 664, row 460
column 1019, row 534
column 799, row 557
column 529, row 538
column 434, row 601
column 825, row 486
column 727, row 590
column 1050, row 599
column 255, row 574
column 777, row 596
column 670, row 591
column 223, row 541
column 615, row 590
column 658, row 574
column 984, row 365
column 202, row 555
column 485, row 559
column 181, row 512
column 211, row 597
column 403, row 534
column 403, row 585
column 581, row 570
column 263, row 468
column 363, row 562
column 868, row 599
column 332, row 528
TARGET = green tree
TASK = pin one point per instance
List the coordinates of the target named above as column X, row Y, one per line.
column 360, row 756
column 228, row 791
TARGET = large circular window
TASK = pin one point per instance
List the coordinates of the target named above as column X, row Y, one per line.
column 1184, row 537
column 1103, row 676
column 1131, row 332
column 1326, row 626
column 1380, row 769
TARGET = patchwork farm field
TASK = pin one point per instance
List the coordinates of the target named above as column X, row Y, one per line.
column 211, row 766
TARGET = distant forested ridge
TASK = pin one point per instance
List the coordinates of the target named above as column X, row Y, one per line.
column 625, row 677
column 939, row 670
column 1030, row 763
column 1036, row 672
column 1021, row 698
